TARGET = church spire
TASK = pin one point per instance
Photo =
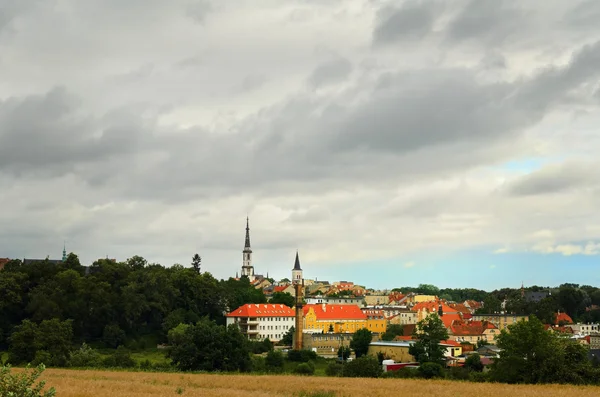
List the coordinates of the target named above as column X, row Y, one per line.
column 247, row 244
column 64, row 257
column 297, row 262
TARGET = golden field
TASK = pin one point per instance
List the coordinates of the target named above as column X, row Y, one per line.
column 73, row 383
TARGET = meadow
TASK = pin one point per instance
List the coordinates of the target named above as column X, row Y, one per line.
column 74, row 383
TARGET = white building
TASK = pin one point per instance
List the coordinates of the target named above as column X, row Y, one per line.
column 262, row 321
column 342, row 300
column 585, row 329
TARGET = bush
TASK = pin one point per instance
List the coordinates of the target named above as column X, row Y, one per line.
column 431, row 370
column 334, row 369
column 23, row 384
column 305, row 368
column 479, row 377
column 113, row 336
column 473, row 363
column 274, row 361
column 302, row 356
column 41, row 357
column 458, row 373
column 362, row 367
column 123, row 358
column 402, row 373
column 146, row 365
column 84, row 357
column 258, row 364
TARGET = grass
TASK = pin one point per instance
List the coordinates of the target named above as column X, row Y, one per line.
column 72, row 383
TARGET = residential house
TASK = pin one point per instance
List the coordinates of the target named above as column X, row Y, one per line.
column 462, row 309
column 340, row 318
column 262, row 321
column 473, row 331
column 376, row 321
column 3, row 262
column 397, row 350
column 326, row 344
column 261, row 283
column 403, row 317
column 500, row 320
column 342, row 300
column 446, row 313
column 562, row 319
column 376, row 300
column 396, row 297
column 489, row 350
column 584, row 329
column 473, row 305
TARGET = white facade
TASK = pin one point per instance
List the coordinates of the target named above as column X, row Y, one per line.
column 585, row 329
column 260, row 328
column 314, row 300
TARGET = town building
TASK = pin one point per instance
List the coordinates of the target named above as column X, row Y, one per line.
column 562, row 319
column 262, row 321
column 376, row 321
column 397, row 350
column 402, row 316
column 585, row 329
column 473, row 331
column 337, row 318
column 326, row 344
column 341, row 300
column 376, row 300
column 501, row 320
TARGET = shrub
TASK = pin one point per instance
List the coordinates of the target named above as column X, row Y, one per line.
column 402, row 373
column 458, row 373
column 23, row 384
column 431, row 370
column 362, row 367
column 274, row 361
column 41, row 357
column 473, row 363
column 123, row 358
column 301, row 355
column 334, row 369
column 479, row 377
column 85, row 356
column 305, row 368
column 146, row 365
column 113, row 336
column 258, row 364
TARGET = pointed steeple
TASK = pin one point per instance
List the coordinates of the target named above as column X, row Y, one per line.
column 297, row 263
column 247, row 244
column 64, row 257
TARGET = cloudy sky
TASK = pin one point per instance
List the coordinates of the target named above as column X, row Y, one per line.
column 391, row 142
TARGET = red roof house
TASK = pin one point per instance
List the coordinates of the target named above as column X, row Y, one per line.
column 562, row 318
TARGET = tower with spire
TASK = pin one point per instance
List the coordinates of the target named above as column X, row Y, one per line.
column 298, row 282
column 247, row 268
column 64, row 257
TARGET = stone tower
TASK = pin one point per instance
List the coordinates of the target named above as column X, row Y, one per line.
column 298, row 282
column 247, row 268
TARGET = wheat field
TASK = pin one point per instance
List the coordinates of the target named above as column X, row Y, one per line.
column 72, row 383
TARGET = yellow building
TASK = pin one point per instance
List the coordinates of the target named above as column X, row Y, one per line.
column 397, row 351
column 326, row 344
column 337, row 319
column 501, row 321
column 376, row 321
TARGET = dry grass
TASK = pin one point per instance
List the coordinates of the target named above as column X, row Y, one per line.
column 71, row 383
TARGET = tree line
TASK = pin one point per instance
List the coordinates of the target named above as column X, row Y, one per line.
column 112, row 303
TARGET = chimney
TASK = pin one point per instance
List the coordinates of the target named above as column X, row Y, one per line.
column 324, row 306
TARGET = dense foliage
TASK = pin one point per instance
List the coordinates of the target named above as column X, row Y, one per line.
column 23, row 384
column 116, row 303
column 428, row 333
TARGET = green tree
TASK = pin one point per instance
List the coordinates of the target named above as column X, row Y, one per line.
column 360, row 342
column 51, row 339
column 24, row 383
column 392, row 331
column 362, row 367
column 196, row 263
column 473, row 363
column 207, row 346
column 274, row 361
column 343, row 353
column 113, row 336
column 530, row 354
column 428, row 333
column 283, row 298
column 288, row 337
column 491, row 304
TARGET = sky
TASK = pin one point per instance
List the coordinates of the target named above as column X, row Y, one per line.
column 391, row 142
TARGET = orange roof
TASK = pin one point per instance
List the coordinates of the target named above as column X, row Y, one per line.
column 280, row 288
column 463, row 328
column 336, row 312
column 434, row 307
column 473, row 304
column 263, row 310
column 448, row 319
column 460, row 308
column 562, row 317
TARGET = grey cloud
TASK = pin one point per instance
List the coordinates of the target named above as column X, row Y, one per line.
column 199, row 10
column 555, row 179
column 489, row 22
column 330, row 72
column 584, row 15
column 11, row 9
column 47, row 134
column 414, row 20
column 252, row 82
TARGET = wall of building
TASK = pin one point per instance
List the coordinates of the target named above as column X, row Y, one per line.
column 502, row 321
column 397, row 353
column 260, row 328
column 326, row 344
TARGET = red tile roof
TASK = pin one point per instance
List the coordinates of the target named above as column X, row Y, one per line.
column 336, row 312
column 280, row 288
column 473, row 304
column 562, row 317
column 460, row 308
column 433, row 306
column 449, row 319
column 263, row 310
column 463, row 328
